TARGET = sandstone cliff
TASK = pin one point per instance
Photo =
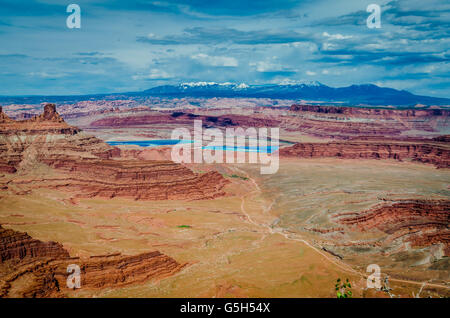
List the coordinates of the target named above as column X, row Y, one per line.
column 18, row 245
column 31, row 268
column 420, row 222
column 49, row 122
column 182, row 118
column 345, row 123
column 145, row 180
column 368, row 112
column 3, row 117
column 92, row 167
column 436, row 153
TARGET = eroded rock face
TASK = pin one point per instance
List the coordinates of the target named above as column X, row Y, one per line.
column 49, row 122
column 436, row 153
column 49, row 114
column 420, row 222
column 92, row 167
column 182, row 118
column 145, row 180
column 19, row 245
column 31, row 268
column 3, row 117
column 345, row 123
column 368, row 112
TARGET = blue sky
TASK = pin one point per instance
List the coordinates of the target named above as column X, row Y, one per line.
column 137, row 44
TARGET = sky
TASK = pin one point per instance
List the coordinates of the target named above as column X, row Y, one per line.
column 134, row 45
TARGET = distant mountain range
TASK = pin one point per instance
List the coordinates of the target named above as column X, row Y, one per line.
column 367, row 94
column 352, row 95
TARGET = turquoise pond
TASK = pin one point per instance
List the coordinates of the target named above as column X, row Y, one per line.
column 170, row 142
column 149, row 143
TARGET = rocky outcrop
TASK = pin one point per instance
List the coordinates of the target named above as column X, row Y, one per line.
column 435, row 153
column 445, row 138
column 93, row 168
column 182, row 118
column 369, row 112
column 48, row 278
column 41, row 271
column 18, row 245
column 49, row 122
column 49, row 114
column 421, row 222
column 21, row 147
column 343, row 123
column 140, row 180
column 3, row 117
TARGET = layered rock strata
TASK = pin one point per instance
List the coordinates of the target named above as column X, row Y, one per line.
column 19, row 245
column 92, row 167
column 349, row 122
column 434, row 152
column 420, row 222
column 40, row 269
column 368, row 112
column 182, row 118
column 145, row 180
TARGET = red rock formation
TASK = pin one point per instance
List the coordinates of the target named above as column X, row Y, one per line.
column 182, row 118
column 40, row 269
column 21, row 146
column 445, row 138
column 434, row 153
column 49, row 114
column 3, row 117
column 145, row 180
column 369, row 112
column 88, row 166
column 20, row 245
column 349, row 122
column 49, row 122
column 422, row 222
column 48, row 278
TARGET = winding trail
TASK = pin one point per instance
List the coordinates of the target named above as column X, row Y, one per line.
column 296, row 237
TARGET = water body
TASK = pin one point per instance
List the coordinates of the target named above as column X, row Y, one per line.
column 150, row 143
column 171, row 142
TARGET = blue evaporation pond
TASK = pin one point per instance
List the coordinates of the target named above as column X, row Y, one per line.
column 149, row 143
column 171, row 142
column 268, row 149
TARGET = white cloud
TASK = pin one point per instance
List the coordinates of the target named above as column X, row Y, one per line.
column 310, row 73
column 153, row 74
column 263, row 66
column 336, row 36
column 46, row 74
column 326, row 46
column 215, row 60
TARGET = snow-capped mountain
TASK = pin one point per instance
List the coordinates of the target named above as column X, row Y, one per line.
column 367, row 94
column 210, row 85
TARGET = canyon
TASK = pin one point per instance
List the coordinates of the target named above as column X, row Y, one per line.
column 43, row 265
column 419, row 222
column 87, row 165
column 428, row 151
column 356, row 186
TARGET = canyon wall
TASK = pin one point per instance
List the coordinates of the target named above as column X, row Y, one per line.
column 140, row 180
column 182, row 118
column 420, row 222
column 435, row 153
column 93, row 168
column 370, row 112
column 32, row 268
column 18, row 245
column 345, row 123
